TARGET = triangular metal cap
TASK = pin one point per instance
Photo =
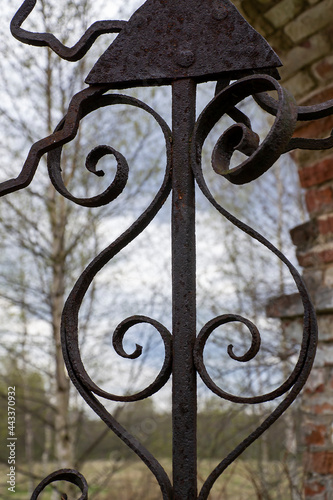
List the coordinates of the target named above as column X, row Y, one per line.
column 166, row 40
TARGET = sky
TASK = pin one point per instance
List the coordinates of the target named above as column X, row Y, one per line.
column 212, row 243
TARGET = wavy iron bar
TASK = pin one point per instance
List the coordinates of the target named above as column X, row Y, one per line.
column 208, row 41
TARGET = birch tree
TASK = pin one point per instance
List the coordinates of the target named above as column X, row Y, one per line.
column 46, row 240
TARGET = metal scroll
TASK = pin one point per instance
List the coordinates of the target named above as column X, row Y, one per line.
column 231, row 53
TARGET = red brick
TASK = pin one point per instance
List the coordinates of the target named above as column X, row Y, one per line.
column 305, row 233
column 321, row 462
column 318, row 390
column 315, row 129
column 315, row 435
column 310, row 259
column 307, row 259
column 312, row 489
column 324, row 69
column 324, row 409
column 285, row 306
column 318, row 200
column 325, row 226
column 316, row 174
column 316, row 382
column 326, row 256
column 322, row 96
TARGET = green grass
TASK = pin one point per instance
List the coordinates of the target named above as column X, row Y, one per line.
column 128, row 480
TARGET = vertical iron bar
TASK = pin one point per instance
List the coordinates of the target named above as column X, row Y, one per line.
column 184, row 301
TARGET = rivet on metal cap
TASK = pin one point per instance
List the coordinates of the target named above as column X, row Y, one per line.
column 185, row 58
column 220, row 12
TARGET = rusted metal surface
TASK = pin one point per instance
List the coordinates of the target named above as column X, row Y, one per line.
column 181, row 43
column 168, row 40
column 183, row 293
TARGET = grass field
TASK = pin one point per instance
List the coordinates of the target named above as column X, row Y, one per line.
column 109, row 480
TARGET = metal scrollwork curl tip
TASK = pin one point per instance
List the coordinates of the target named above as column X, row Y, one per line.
column 202, row 338
column 240, row 136
column 304, row 113
column 68, row 475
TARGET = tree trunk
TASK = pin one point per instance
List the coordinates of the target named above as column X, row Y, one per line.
column 64, row 441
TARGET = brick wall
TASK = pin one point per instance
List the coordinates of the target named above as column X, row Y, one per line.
column 301, row 32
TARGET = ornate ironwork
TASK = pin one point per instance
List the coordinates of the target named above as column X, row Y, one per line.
column 179, row 43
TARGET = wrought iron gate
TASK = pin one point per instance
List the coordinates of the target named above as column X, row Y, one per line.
column 179, row 43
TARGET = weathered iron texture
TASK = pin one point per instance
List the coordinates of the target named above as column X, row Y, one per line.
column 181, row 43
column 168, row 40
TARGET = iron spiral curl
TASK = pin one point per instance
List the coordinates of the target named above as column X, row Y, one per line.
column 68, row 475
column 240, row 136
column 121, row 177
column 74, row 301
column 118, row 337
column 69, row 329
column 255, row 166
column 200, row 344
